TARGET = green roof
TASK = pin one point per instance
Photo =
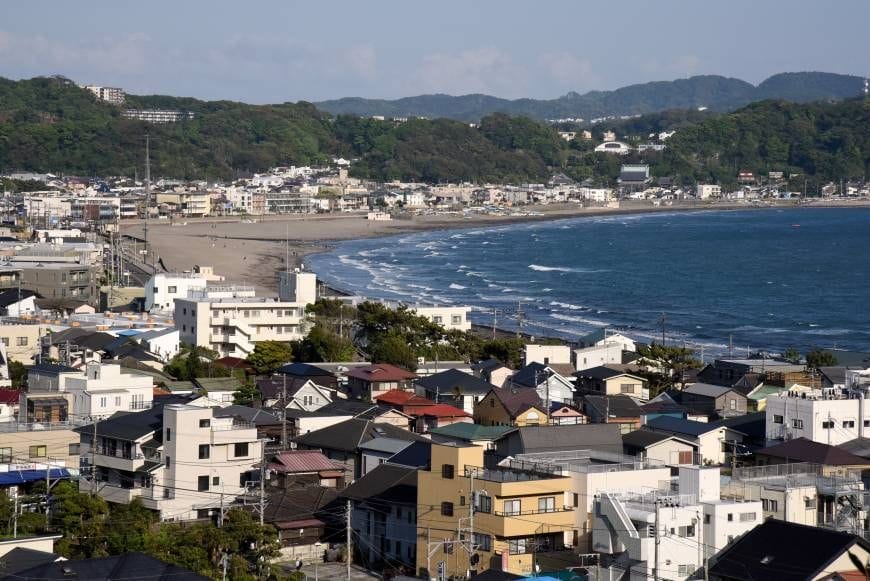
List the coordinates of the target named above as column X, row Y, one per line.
column 218, row 383
column 466, row 431
column 180, row 386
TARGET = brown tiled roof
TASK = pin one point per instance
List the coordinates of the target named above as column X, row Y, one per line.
column 303, row 461
column 518, row 400
column 804, row 450
column 381, row 372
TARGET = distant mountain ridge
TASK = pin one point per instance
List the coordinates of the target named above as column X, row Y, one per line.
column 715, row 92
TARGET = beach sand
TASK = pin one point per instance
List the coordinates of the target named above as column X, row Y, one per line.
column 251, row 253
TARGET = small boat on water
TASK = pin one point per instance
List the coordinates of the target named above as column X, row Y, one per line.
column 795, row 225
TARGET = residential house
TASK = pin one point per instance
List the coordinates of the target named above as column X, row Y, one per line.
column 293, row 392
column 804, row 450
column 510, row 407
column 539, row 439
column 384, row 516
column 303, row 468
column 469, row 434
column 546, row 354
column 659, row 447
column 830, row 416
column 342, row 441
column 34, row 446
column 713, row 400
column 695, row 520
column 105, row 390
column 605, row 380
column 9, row 404
column 376, row 451
column 309, row 372
column 550, row 381
column 305, row 517
column 608, row 353
column 492, row 371
column 182, row 461
column 621, row 410
column 370, row 381
column 18, row 303
column 521, row 511
column 777, row 550
column 566, row 415
column 46, row 398
column 22, row 340
column 728, row 372
column 220, row 390
column 717, row 444
column 454, row 387
column 605, row 336
column 439, row 415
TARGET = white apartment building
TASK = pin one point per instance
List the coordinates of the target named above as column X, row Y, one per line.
column 163, row 288
column 188, row 204
column 609, row 353
column 669, row 534
column 104, row 390
column 830, row 416
column 113, row 95
column 296, row 286
column 183, row 461
column 546, row 354
column 707, row 191
column 157, row 115
column 450, row 317
column 231, row 320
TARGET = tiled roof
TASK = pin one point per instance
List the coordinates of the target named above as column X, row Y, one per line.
column 804, row 450
column 466, row 431
column 303, row 461
column 10, row 396
column 517, row 400
column 381, row 372
column 395, row 397
column 442, row 410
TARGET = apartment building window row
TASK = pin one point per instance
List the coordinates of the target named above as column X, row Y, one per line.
column 511, row 507
column 204, row 451
column 482, row 542
column 769, row 505
column 38, row 451
column 483, row 504
column 446, row 509
column 5, row 455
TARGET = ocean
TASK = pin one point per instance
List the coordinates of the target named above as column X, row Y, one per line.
column 763, row 279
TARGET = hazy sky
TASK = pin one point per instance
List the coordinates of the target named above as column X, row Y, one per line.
column 274, row 51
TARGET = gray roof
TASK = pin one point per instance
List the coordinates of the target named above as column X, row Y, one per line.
column 257, row 417
column 644, row 438
column 707, row 389
column 386, row 445
column 604, row 437
column 680, row 426
column 452, row 380
column 619, row 406
column 348, row 435
column 387, row 482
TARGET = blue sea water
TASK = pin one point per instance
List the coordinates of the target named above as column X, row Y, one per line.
column 764, row 279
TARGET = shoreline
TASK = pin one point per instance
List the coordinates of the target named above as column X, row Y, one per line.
column 252, row 252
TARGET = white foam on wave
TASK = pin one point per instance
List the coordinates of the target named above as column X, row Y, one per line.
column 540, row 268
column 573, row 319
column 455, row 286
column 567, row 305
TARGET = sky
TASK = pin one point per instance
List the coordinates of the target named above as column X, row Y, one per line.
column 275, row 51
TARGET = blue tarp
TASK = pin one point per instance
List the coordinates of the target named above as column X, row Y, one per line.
column 14, row 477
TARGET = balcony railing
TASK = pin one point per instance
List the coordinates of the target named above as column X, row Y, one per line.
column 140, row 405
column 532, row 512
column 117, row 453
column 234, row 426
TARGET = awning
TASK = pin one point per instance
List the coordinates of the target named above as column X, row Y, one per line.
column 27, row 476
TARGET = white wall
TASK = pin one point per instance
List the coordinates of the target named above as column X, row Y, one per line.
column 608, row 353
column 795, row 417
column 162, row 289
column 546, row 354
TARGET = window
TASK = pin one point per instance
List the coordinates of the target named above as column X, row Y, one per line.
column 5, row 455
column 156, row 290
column 747, row 517
column 797, row 424
column 102, row 402
column 215, row 480
column 172, row 290
column 38, row 451
column 492, row 403
column 730, row 517
column 167, row 493
column 447, row 471
column 437, row 319
column 732, row 404
column 204, row 423
column 867, row 423
column 168, row 434
column 626, row 388
column 202, row 483
column 810, row 503
column 456, row 319
column 685, row 570
column 484, row 503
column 769, row 505
column 684, row 457
column 576, row 500
column 243, row 479
column 204, row 451
column 5, row 341
column 446, row 509
column 849, row 423
column 777, row 419
column 168, row 462
column 21, row 341
column 461, row 501
column 448, row 547
column 482, row 542
column 117, row 400
column 547, row 504
column 511, row 507
column 517, row 546
column 73, row 450
column 686, row 531
column 240, row 449
column 706, row 519
column 828, row 425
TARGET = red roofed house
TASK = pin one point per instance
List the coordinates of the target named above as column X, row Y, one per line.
column 367, row 383
column 306, row 467
column 439, row 415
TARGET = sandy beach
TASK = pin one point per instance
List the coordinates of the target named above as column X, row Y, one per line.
column 251, row 252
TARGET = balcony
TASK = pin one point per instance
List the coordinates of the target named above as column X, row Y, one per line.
column 118, row 459
column 533, row 512
column 140, row 405
column 233, row 433
column 526, row 523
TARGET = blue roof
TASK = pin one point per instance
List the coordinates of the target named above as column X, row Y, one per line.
column 681, row 426
column 14, row 477
column 129, row 332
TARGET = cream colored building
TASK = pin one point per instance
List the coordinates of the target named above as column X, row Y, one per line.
column 187, row 204
column 184, row 461
column 30, row 446
column 451, row 318
column 22, row 340
column 231, row 320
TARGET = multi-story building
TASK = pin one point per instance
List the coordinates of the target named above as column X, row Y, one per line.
column 187, row 204
column 231, row 320
column 519, row 509
column 829, row 415
column 95, row 208
column 105, row 390
column 183, row 461
column 163, row 288
column 707, row 191
column 22, row 339
column 158, row 115
column 113, row 95
column 26, row 446
column 452, row 318
column 666, row 533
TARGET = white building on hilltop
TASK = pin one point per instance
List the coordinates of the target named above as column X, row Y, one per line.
column 104, row 390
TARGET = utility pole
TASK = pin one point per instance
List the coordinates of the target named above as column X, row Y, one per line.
column 656, row 545
column 284, row 411
column 224, row 559
column 15, row 516
column 494, row 319
column 147, row 195
column 262, row 481
column 349, row 550
column 663, row 322
column 519, row 319
column 94, row 460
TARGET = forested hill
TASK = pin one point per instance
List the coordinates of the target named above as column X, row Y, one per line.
column 714, row 92
column 50, row 125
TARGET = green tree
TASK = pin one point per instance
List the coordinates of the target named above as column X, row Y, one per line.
column 17, row 374
column 193, row 361
column 671, row 362
column 247, row 395
column 128, row 527
column 82, row 519
column 322, row 344
column 394, row 349
column 268, row 356
column 820, row 358
column 791, row 354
